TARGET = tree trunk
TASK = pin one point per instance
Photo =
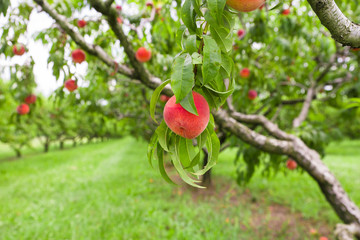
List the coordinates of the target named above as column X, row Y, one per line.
column 74, row 143
column 18, row 153
column 206, row 178
column 46, row 147
column 61, row 145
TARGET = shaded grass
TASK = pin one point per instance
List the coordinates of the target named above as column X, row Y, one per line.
column 108, row 191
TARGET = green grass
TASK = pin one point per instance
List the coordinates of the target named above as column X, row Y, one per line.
column 108, row 191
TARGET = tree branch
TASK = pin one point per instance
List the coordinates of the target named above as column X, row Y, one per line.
column 346, row 232
column 91, row 49
column 342, row 29
column 305, row 109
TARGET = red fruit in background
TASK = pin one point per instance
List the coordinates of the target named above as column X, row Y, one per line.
column 23, row 109
column 323, row 238
column 81, row 23
column 118, row 7
column 164, row 98
column 119, row 20
column 245, row 73
column 158, row 10
column 355, row 49
column 245, row 5
column 30, row 99
column 252, row 94
column 143, row 55
column 149, row 4
column 261, row 7
column 18, row 50
column 184, row 123
column 291, row 164
column 285, row 12
column 71, row 85
column 241, row 33
column 78, row 56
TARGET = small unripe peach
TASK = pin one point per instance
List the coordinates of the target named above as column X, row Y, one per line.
column 30, row 99
column 23, row 109
column 184, row 123
column 245, row 5
column 252, row 94
column 78, row 56
column 71, row 85
column 291, row 164
column 143, row 55
column 245, row 73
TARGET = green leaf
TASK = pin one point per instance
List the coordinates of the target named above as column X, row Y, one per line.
column 188, row 15
column 162, row 133
column 213, row 147
column 190, row 44
column 177, row 164
column 216, row 8
column 179, row 35
column 226, row 64
column 222, row 37
column 182, row 77
column 151, row 148
column 188, row 104
column 155, row 97
column 196, row 58
column 211, row 60
column 201, row 140
column 4, row 5
column 160, row 155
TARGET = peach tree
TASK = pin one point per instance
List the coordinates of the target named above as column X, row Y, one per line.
column 277, row 63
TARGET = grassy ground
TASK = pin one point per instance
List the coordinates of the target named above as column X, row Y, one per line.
column 108, row 191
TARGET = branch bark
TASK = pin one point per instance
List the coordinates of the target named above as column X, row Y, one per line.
column 342, row 29
column 306, row 106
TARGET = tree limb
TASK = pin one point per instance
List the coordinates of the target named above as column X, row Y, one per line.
column 342, row 29
column 305, row 108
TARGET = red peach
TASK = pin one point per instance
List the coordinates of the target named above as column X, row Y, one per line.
column 291, row 164
column 119, row 20
column 164, row 98
column 143, row 55
column 71, row 85
column 245, row 73
column 23, row 109
column 18, row 50
column 81, row 23
column 78, row 56
column 323, row 238
column 149, row 4
column 355, row 49
column 252, row 94
column 241, row 33
column 245, row 5
column 285, row 12
column 184, row 123
column 30, row 99
column 118, row 7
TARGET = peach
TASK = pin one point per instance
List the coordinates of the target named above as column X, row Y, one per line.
column 143, row 55
column 245, row 5
column 78, row 56
column 119, row 20
column 285, row 12
column 71, row 85
column 164, row 98
column 245, row 73
column 252, row 94
column 23, row 109
column 81, row 23
column 149, row 4
column 184, row 123
column 18, row 50
column 30, row 99
column 241, row 33
column 323, row 238
column 291, row 164
column 118, row 7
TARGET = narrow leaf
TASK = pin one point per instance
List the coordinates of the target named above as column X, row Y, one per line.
column 182, row 77
column 155, row 97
